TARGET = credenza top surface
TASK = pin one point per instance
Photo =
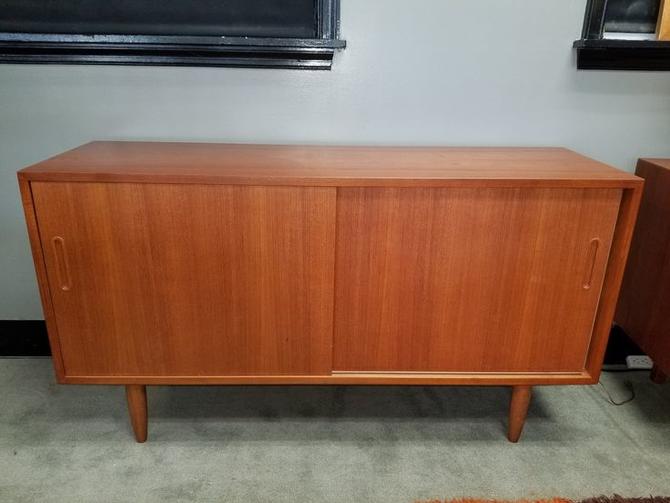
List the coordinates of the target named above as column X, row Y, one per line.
column 164, row 162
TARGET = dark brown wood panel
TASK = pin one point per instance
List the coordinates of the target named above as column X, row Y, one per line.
column 193, row 280
column 156, row 162
column 498, row 280
column 644, row 305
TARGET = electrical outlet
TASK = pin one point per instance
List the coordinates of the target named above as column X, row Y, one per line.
column 639, row 362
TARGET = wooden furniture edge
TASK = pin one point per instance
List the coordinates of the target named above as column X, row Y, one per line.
column 199, row 179
column 616, row 264
column 41, row 273
column 144, row 158
column 351, row 378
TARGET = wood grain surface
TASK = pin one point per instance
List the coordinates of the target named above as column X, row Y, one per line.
column 156, row 162
column 42, row 281
column 159, row 280
column 206, row 263
column 623, row 234
column 498, row 280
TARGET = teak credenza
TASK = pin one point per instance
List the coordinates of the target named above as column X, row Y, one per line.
column 177, row 263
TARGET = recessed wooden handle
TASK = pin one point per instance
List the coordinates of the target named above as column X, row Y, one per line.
column 590, row 263
column 62, row 267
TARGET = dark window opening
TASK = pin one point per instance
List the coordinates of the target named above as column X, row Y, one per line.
column 626, row 16
column 265, row 33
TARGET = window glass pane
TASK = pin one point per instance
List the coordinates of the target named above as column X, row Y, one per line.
column 631, row 16
column 253, row 18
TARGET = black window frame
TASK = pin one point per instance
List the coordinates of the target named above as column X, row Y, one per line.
column 597, row 53
column 594, row 20
column 261, row 52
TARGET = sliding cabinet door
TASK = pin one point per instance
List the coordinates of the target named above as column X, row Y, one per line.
column 469, row 280
column 189, row 280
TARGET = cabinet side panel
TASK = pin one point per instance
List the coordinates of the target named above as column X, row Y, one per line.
column 195, row 280
column 644, row 305
column 469, row 280
column 42, row 279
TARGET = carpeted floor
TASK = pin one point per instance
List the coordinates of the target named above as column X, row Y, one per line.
column 326, row 444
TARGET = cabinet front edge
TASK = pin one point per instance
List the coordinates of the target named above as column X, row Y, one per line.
column 346, row 378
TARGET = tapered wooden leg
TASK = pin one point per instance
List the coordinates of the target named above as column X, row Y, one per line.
column 136, row 394
column 657, row 375
column 518, row 408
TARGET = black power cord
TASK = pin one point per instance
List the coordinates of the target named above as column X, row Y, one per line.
column 627, row 384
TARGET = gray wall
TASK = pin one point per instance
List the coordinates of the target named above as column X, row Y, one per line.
column 422, row 72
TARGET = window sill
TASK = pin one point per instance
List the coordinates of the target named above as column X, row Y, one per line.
column 641, row 55
column 312, row 54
